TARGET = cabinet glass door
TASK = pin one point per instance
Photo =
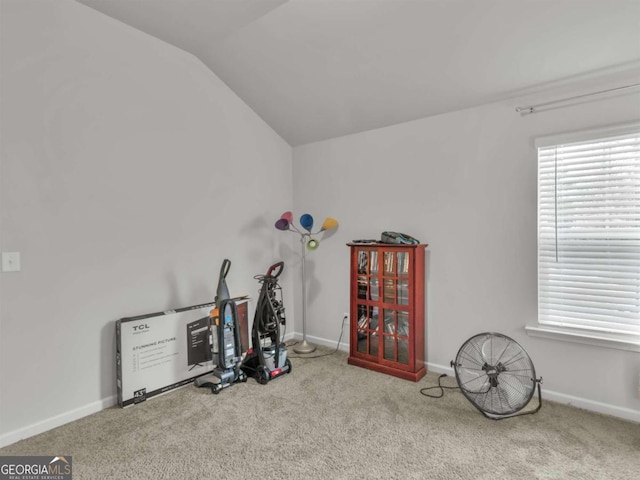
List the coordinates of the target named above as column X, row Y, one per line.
column 395, row 296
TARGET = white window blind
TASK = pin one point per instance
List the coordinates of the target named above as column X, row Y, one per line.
column 589, row 234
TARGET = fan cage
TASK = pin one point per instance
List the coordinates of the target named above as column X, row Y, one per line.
column 495, row 374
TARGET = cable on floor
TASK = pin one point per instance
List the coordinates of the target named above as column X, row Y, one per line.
column 439, row 386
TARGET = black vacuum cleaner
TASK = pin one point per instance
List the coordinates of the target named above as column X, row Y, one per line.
column 226, row 347
column 267, row 357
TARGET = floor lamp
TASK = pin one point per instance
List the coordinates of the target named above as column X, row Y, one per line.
column 307, row 242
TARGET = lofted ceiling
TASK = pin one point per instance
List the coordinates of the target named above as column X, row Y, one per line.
column 318, row 69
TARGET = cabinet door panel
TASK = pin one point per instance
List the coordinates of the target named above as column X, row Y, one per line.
column 390, row 348
column 367, row 317
column 373, row 289
column 363, row 262
column 373, row 263
column 389, row 290
column 389, row 264
column 389, row 322
column 403, row 351
column 403, row 264
column 403, row 292
column 368, row 342
column 363, row 287
column 403, row 324
column 367, row 334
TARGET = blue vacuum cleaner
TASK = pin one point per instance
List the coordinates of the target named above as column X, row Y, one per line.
column 226, row 346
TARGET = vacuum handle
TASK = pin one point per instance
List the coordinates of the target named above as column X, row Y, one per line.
column 276, row 266
column 224, row 269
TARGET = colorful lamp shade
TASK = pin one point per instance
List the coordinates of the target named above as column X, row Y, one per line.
column 288, row 216
column 329, row 224
column 282, row 224
column 306, row 221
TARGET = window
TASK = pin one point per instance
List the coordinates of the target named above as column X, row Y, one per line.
column 589, row 234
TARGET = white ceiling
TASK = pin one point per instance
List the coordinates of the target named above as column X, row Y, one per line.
column 317, row 69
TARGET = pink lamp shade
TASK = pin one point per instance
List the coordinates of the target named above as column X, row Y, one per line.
column 288, row 216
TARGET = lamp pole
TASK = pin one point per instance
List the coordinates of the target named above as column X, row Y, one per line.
column 304, row 347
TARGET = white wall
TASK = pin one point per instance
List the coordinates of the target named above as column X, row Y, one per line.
column 128, row 173
column 465, row 183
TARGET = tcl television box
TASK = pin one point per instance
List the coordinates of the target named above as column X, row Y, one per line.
column 162, row 351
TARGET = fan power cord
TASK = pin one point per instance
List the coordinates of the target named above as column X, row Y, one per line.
column 439, row 386
column 324, row 354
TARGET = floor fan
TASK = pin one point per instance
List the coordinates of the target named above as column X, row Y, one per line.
column 496, row 375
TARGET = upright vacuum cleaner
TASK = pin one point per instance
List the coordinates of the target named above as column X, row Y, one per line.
column 226, row 347
column 267, row 357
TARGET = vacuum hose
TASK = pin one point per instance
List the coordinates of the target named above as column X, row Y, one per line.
column 270, row 307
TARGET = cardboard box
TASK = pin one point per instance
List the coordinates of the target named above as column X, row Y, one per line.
column 158, row 352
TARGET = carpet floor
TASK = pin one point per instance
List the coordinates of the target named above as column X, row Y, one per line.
column 329, row 420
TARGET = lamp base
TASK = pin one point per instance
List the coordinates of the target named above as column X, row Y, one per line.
column 304, row 347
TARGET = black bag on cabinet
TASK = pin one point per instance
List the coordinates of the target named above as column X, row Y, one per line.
column 398, row 238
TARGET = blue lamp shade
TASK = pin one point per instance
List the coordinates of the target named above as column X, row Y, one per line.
column 306, row 221
column 282, row 224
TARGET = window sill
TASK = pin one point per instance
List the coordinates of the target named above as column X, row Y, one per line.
column 608, row 340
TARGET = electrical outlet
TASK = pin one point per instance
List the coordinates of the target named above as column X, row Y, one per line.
column 345, row 316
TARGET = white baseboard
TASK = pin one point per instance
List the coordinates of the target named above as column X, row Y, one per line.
column 578, row 402
column 591, row 405
column 434, row 367
column 57, row 421
column 344, row 344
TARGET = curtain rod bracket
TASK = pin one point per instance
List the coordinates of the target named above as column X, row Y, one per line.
column 526, row 110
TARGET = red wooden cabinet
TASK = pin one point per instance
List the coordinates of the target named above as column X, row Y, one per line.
column 387, row 309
